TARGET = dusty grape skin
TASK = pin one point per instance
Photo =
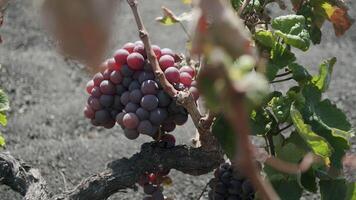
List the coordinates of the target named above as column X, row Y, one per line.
column 106, row 87
column 157, row 50
column 130, row 121
column 131, row 133
column 131, row 107
column 145, row 76
column 129, row 47
column 158, row 115
column 120, row 56
column 172, row 74
column 187, row 69
column 186, row 78
column 125, row 98
column 141, row 50
column 142, row 114
column 126, row 71
column 102, row 116
column 149, row 87
column 135, row 96
column 145, row 127
column 116, row 77
column 166, row 61
column 106, row 100
column 149, row 102
column 90, row 86
column 95, row 92
column 112, row 64
column 194, row 91
column 135, row 61
column 134, row 85
column 167, row 51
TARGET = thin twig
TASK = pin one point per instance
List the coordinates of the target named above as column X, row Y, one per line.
column 285, row 128
column 204, row 189
column 282, row 80
column 283, row 74
column 185, row 30
column 64, row 180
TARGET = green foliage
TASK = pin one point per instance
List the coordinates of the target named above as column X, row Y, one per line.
column 322, row 80
column 4, row 106
column 337, row 189
column 222, row 130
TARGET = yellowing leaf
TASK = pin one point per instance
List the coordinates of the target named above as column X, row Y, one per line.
column 3, row 119
column 187, row 1
column 169, row 18
column 2, row 141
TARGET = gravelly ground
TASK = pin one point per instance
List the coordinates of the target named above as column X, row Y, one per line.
column 46, row 127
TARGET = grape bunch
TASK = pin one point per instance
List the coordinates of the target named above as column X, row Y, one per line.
column 127, row 93
column 152, row 184
column 229, row 184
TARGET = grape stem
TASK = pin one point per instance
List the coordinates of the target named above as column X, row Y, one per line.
column 185, row 98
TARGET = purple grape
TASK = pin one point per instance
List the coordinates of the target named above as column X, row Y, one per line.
column 94, row 122
column 117, row 103
column 106, row 74
column 149, row 87
column 130, row 120
column 142, row 114
column 127, row 81
column 131, row 133
column 89, row 112
column 174, row 108
column 114, row 113
column 116, row 77
column 120, row 89
column 136, row 75
column 126, row 71
column 147, row 67
column 110, row 124
column 158, row 115
column 144, row 76
column 135, row 96
column 131, row 107
column 149, row 189
column 157, row 195
column 149, row 102
column 163, row 98
column 167, row 141
column 98, row 78
column 125, row 98
column 145, row 127
column 94, row 103
column 95, row 92
column 168, row 126
column 134, row 85
column 120, row 117
column 102, row 116
column 106, row 87
column 180, row 119
column 106, row 100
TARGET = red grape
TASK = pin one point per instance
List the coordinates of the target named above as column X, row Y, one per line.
column 94, row 104
column 106, row 87
column 95, row 92
column 188, row 69
column 90, row 86
column 168, row 126
column 135, row 61
column 138, row 42
column 106, row 74
column 120, row 117
column 172, row 74
column 110, row 124
column 185, row 78
column 194, row 92
column 141, row 50
column 89, row 112
column 112, row 64
column 167, row 51
column 130, row 120
column 131, row 133
column 129, row 47
column 120, row 56
column 157, row 50
column 166, row 61
column 98, row 78
column 116, row 77
column 168, row 140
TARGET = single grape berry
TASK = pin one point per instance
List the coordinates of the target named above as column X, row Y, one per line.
column 89, row 112
column 120, row 56
column 138, row 42
column 129, row 47
column 166, row 61
column 167, row 51
column 149, row 102
column 180, row 119
column 168, row 141
column 145, row 76
column 186, row 78
column 131, row 133
column 94, row 103
column 110, row 124
column 188, row 69
column 194, row 91
column 130, row 120
column 95, row 92
column 145, row 127
column 115, row 77
column 172, row 74
column 126, row 81
column 120, row 117
column 135, row 61
column 168, row 126
column 106, row 87
column 98, row 78
column 141, row 50
column 112, row 65
column 102, row 116
column 125, row 98
column 126, row 71
column 90, row 86
column 158, row 115
column 135, row 96
column 134, row 85
column 157, row 50
column 149, row 87
column 163, row 98
column 106, row 100
column 142, row 114
column 131, row 107
column 106, row 74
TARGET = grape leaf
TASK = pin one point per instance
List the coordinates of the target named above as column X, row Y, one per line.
column 265, row 38
column 4, row 101
column 280, row 107
column 337, row 189
column 287, row 189
column 300, row 74
column 292, row 28
column 322, row 80
column 318, row 144
column 236, row 4
column 2, row 141
column 222, row 130
column 308, row 181
column 260, row 122
column 281, row 56
column 3, row 119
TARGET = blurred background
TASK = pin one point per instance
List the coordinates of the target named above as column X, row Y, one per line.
column 47, row 128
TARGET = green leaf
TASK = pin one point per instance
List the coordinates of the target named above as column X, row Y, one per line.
column 207, row 87
column 318, row 144
column 236, row 4
column 260, row 122
column 300, row 74
column 265, row 38
column 290, row 153
column 292, row 29
column 3, row 119
column 322, row 80
column 222, row 130
column 2, row 141
column 4, row 101
column 308, row 181
column 280, row 107
column 337, row 189
column 281, row 56
column 287, row 189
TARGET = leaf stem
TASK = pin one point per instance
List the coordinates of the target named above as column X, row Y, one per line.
column 282, row 80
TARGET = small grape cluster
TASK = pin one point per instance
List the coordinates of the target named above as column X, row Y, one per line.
column 152, row 184
column 229, row 184
column 127, row 93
